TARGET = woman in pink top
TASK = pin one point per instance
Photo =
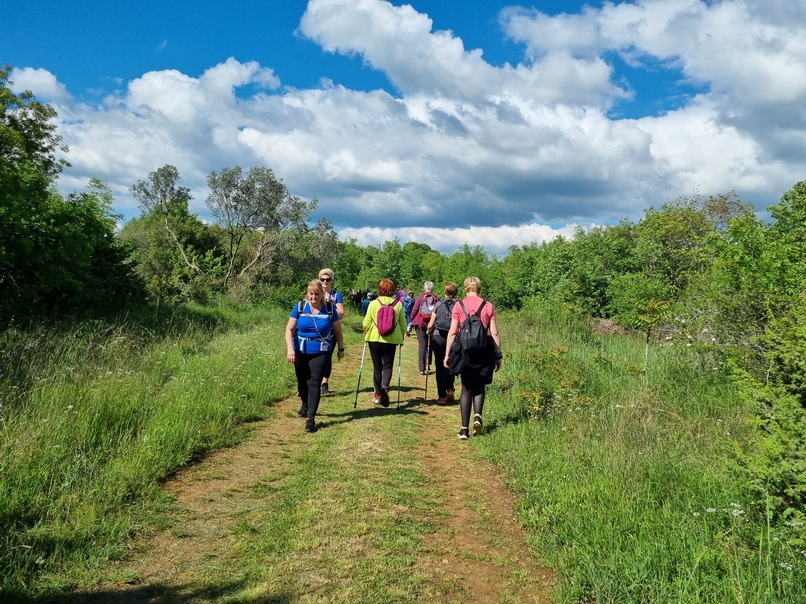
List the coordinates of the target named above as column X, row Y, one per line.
column 475, row 373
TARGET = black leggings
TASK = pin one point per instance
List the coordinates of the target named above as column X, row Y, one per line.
column 473, row 389
column 309, row 369
column 383, row 362
column 443, row 377
column 424, row 358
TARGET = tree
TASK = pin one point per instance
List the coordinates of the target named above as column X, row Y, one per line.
column 161, row 196
column 55, row 254
column 256, row 203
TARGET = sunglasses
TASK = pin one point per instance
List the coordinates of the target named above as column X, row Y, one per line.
column 325, row 279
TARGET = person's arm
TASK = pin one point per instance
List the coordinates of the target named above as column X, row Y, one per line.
column 432, row 322
column 497, row 341
column 340, row 304
column 289, row 339
column 401, row 321
column 367, row 322
column 415, row 311
column 339, row 338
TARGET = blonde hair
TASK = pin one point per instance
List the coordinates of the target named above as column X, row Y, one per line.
column 472, row 284
column 317, row 285
column 328, row 272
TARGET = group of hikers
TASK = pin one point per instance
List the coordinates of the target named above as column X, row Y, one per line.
column 460, row 335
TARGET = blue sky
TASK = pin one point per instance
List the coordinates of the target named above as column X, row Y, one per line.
column 493, row 124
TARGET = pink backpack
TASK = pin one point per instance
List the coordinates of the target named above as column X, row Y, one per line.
column 385, row 321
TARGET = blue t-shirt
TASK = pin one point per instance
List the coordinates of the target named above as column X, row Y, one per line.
column 334, row 297
column 314, row 325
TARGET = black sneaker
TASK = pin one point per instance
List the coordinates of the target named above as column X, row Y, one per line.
column 463, row 434
column 303, row 411
column 384, row 397
column 310, row 426
column 325, row 389
column 477, row 426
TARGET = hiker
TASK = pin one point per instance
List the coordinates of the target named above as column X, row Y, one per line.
column 420, row 316
column 382, row 348
column 408, row 305
column 308, row 342
column 334, row 297
column 437, row 329
column 365, row 303
column 475, row 367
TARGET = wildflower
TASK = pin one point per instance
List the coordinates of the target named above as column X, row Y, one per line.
column 696, row 514
column 69, row 407
column 786, row 565
column 711, row 510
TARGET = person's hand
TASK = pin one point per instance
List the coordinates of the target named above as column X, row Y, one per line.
column 447, row 361
column 292, row 355
column 497, row 364
column 340, row 354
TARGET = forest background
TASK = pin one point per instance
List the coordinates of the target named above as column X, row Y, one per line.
column 698, row 272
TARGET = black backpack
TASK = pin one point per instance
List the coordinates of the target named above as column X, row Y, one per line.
column 472, row 333
column 444, row 311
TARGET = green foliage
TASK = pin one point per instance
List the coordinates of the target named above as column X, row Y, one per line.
column 56, row 255
column 95, row 414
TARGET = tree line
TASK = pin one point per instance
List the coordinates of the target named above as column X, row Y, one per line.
column 698, row 271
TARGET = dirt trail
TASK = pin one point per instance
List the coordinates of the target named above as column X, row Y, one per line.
column 477, row 552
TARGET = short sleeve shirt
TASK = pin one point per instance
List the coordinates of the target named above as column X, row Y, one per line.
column 472, row 304
column 312, row 324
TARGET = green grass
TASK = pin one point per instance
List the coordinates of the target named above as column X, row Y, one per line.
column 95, row 415
column 626, row 474
column 625, row 468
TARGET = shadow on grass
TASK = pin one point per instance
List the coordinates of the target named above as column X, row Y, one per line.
column 151, row 594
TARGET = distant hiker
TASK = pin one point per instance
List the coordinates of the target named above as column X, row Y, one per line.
column 475, row 367
column 420, row 316
column 365, row 303
column 382, row 347
column 312, row 329
column 438, row 328
column 408, row 305
column 326, row 277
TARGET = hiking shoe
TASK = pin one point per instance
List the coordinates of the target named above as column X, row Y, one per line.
column 422, row 373
column 303, row 411
column 325, row 389
column 310, row 426
column 477, row 426
column 376, row 398
column 384, row 397
column 463, row 434
column 449, row 397
column 442, row 400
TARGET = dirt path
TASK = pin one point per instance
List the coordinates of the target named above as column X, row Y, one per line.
column 476, row 551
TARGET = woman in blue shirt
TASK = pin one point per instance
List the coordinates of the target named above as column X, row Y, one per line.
column 309, row 342
column 326, row 277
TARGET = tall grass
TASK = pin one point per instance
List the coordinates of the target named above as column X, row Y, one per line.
column 94, row 415
column 626, row 468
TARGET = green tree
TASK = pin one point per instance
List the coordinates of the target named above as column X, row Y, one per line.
column 252, row 204
column 55, row 254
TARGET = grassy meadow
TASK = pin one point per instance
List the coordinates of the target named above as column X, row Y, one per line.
column 624, row 465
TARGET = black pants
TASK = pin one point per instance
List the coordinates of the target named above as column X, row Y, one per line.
column 445, row 380
column 383, row 362
column 309, row 369
column 424, row 358
column 329, row 365
column 473, row 391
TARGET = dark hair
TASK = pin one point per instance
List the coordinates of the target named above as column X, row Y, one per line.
column 450, row 289
column 386, row 287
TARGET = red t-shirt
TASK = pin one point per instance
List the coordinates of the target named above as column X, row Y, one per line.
column 472, row 304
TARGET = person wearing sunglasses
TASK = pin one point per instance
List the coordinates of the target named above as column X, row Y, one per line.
column 326, row 277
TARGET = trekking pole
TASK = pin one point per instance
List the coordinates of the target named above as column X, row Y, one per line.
column 399, row 363
column 427, row 366
column 360, row 371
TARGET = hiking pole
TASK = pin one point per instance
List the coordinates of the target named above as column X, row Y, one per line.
column 399, row 363
column 360, row 371
column 427, row 366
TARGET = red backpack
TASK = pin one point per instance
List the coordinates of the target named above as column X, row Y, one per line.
column 385, row 321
